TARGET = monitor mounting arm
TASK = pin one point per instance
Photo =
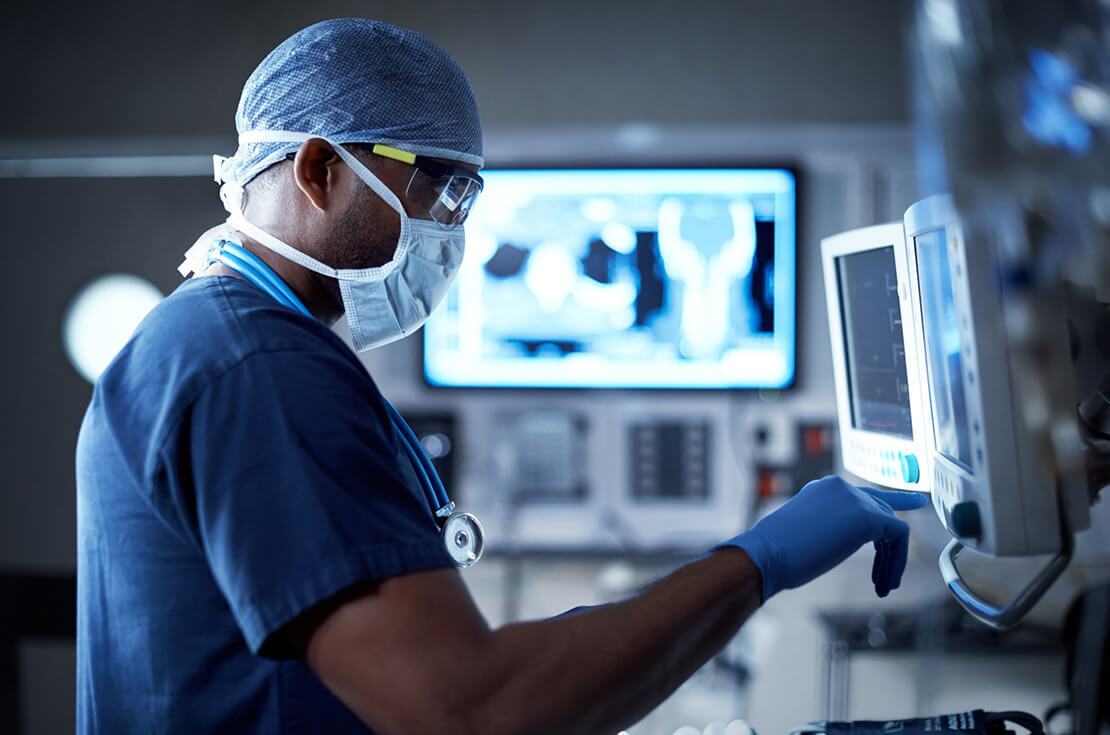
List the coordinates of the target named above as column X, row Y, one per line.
column 1094, row 422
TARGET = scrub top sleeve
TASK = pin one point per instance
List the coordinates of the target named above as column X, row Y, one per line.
column 301, row 489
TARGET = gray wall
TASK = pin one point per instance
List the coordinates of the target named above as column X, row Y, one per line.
column 143, row 70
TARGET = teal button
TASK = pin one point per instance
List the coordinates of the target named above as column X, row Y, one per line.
column 911, row 469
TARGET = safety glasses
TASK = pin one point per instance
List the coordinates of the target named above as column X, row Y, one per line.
column 445, row 192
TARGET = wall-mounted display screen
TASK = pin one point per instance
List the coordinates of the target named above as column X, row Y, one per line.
column 878, row 388
column 622, row 278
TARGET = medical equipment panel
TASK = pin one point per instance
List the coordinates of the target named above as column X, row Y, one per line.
column 543, row 453
column 670, row 460
column 622, row 278
column 637, row 477
column 680, row 487
column 884, row 424
column 988, row 488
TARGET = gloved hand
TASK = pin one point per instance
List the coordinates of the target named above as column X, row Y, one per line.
column 824, row 524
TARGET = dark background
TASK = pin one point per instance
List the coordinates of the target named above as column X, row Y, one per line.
column 168, row 69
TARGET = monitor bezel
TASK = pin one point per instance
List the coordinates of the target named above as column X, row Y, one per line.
column 790, row 385
column 1004, row 479
column 862, row 451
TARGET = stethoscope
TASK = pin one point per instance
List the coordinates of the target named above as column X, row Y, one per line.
column 462, row 533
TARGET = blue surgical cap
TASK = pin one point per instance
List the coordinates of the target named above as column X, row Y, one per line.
column 354, row 80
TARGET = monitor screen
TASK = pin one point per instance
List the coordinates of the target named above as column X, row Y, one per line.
column 622, row 278
column 942, row 347
column 878, row 388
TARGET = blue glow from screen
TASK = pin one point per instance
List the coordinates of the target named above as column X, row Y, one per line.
column 622, row 278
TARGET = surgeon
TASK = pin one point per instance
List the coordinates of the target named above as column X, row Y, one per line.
column 258, row 550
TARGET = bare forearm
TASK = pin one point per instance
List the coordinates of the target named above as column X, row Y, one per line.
column 415, row 654
column 606, row 667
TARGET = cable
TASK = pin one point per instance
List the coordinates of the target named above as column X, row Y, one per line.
column 266, row 272
column 244, row 267
column 1024, row 719
column 1055, row 710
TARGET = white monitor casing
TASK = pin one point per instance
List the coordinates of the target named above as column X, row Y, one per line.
column 877, row 457
column 1004, row 502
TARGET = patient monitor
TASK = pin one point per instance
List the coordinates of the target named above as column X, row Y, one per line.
column 884, row 420
column 997, row 479
column 935, row 394
column 990, row 488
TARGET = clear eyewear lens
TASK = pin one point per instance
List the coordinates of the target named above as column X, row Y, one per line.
column 455, row 196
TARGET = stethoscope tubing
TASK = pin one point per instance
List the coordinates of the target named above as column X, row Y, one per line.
column 243, row 262
column 432, row 481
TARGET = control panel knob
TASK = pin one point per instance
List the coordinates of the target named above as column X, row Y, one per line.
column 964, row 520
column 911, row 468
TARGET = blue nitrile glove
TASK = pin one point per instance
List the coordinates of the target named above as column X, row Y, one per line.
column 824, row 524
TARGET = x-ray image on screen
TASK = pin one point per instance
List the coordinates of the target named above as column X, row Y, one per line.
column 661, row 278
column 876, row 351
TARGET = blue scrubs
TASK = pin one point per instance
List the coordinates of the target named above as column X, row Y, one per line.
column 235, row 469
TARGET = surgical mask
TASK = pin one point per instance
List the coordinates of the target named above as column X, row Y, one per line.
column 385, row 303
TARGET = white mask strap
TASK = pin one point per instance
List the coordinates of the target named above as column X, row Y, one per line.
column 240, row 223
column 284, row 136
column 232, row 196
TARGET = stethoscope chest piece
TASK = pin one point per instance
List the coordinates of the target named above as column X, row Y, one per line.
column 463, row 537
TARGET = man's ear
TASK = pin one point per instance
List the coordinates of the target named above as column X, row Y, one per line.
column 313, row 171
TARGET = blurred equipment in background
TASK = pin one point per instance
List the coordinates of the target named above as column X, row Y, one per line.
column 816, row 451
column 539, row 459
column 1087, row 630
column 571, row 480
column 543, row 456
column 1014, row 114
column 670, row 459
column 623, row 278
column 1014, row 110
column 975, row 722
column 1006, row 272
column 937, row 629
column 678, row 485
column 970, row 344
column 784, row 454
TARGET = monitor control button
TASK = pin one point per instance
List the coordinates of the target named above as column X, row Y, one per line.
column 911, row 468
column 965, row 521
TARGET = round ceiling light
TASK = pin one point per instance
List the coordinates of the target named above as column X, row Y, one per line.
column 102, row 317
